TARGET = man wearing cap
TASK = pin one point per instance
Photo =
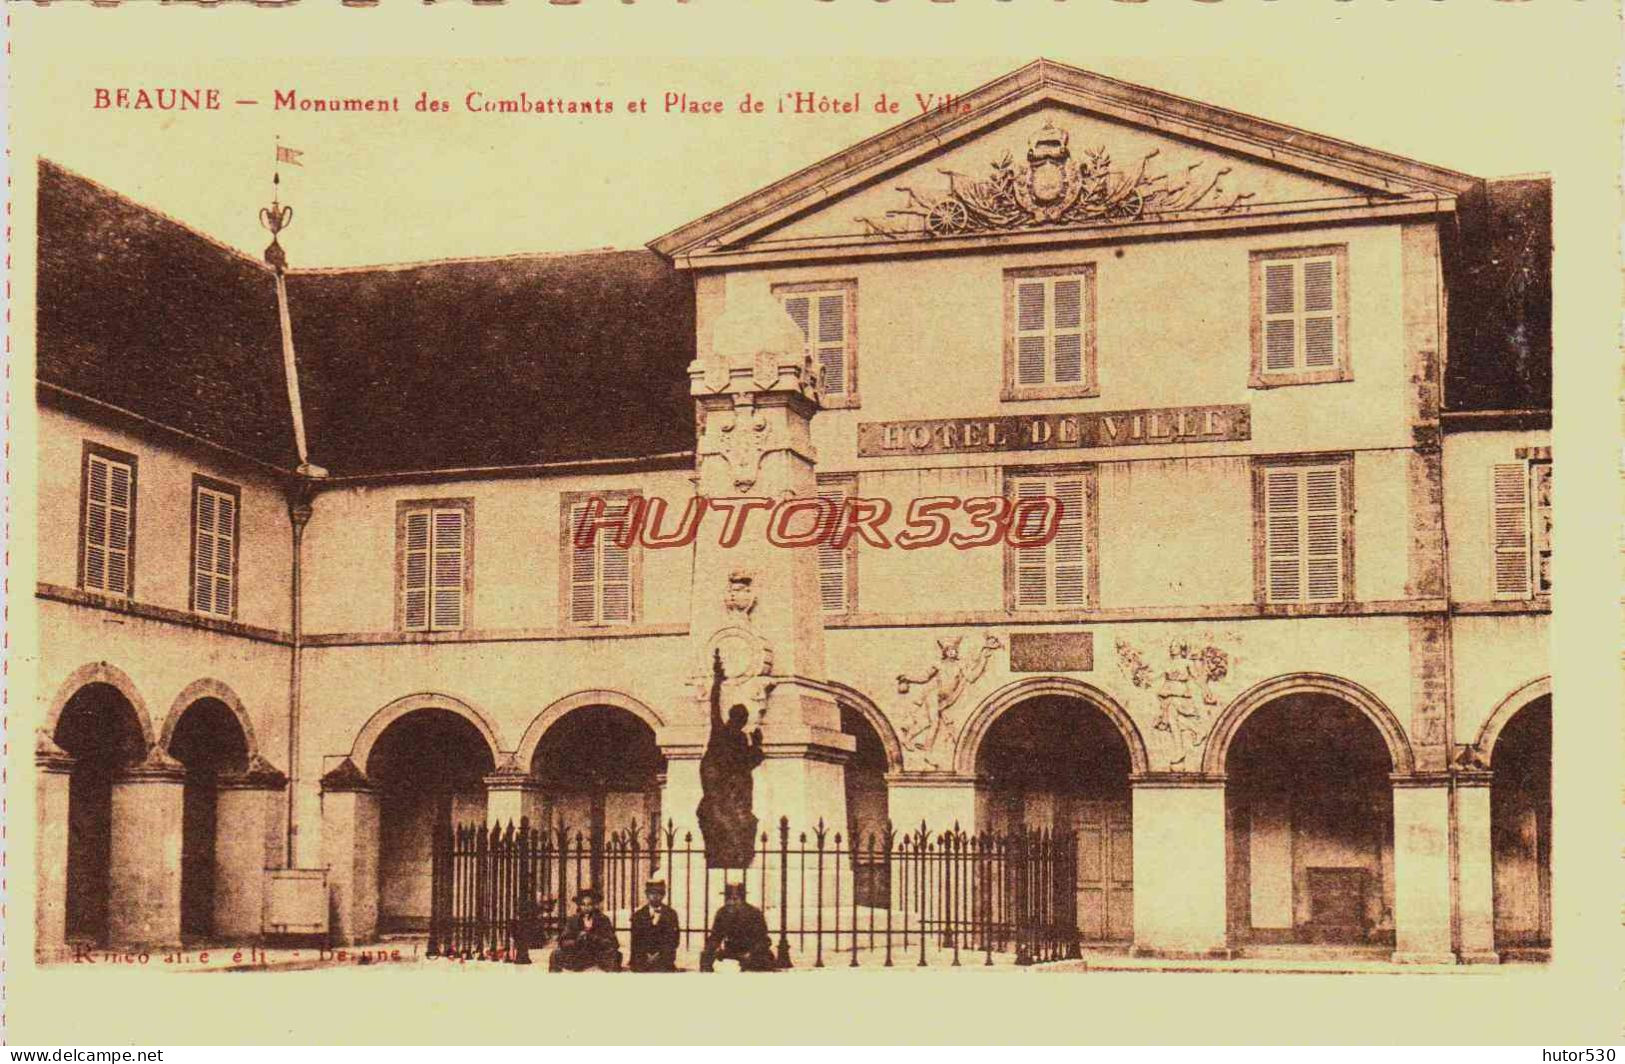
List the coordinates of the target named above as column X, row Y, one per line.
column 739, row 933
column 588, row 940
column 654, row 932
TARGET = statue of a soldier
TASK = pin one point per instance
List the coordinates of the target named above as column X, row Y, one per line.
column 727, row 822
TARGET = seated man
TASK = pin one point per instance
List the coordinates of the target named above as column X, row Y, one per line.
column 739, row 933
column 588, row 940
column 655, row 932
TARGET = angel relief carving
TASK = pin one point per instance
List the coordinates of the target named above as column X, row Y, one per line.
column 742, row 437
column 1187, row 705
column 929, row 699
column 1053, row 190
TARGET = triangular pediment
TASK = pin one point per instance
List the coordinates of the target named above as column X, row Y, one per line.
column 1052, row 149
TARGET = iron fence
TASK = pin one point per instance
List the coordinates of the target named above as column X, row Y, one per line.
column 917, row 897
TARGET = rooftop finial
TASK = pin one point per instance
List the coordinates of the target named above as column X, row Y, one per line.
column 276, row 217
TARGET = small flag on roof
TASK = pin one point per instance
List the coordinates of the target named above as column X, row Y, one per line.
column 288, row 155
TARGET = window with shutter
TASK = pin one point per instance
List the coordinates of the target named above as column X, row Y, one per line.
column 1510, row 531
column 837, row 566
column 1049, row 341
column 107, row 525
column 1058, row 574
column 435, row 564
column 599, row 582
column 1304, row 522
column 1300, row 333
column 214, row 547
column 826, row 311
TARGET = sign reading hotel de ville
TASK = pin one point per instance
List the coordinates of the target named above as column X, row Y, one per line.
column 1056, row 431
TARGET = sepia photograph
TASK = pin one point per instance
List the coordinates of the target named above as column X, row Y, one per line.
column 1037, row 512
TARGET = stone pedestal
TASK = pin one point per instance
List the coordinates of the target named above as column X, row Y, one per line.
column 1179, row 867
column 350, row 852
column 144, row 868
column 1475, row 869
column 1421, row 871
column 53, row 769
column 247, row 841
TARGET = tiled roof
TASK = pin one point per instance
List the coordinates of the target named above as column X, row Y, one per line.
column 140, row 312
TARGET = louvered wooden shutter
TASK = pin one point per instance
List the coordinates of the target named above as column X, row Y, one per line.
column 1509, row 533
column 1056, row 574
column 1303, row 534
column 108, row 497
column 215, row 518
column 415, row 572
column 583, row 572
column 1067, row 332
column 834, row 564
column 449, row 540
column 1280, row 316
column 1031, row 333
column 1323, row 540
column 1319, row 314
column 616, row 569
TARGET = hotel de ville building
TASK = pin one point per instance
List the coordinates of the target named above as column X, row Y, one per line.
column 308, row 586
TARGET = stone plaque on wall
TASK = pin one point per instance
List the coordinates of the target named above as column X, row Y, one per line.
column 1052, row 651
column 1038, row 432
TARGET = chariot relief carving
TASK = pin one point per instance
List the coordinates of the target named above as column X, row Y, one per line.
column 1052, row 189
column 928, row 701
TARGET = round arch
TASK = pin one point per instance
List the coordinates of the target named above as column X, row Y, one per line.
column 1503, row 713
column 865, row 707
column 1225, row 728
column 103, row 673
column 995, row 704
column 381, row 720
column 557, row 711
column 197, row 691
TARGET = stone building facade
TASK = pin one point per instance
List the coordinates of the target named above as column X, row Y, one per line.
column 307, row 584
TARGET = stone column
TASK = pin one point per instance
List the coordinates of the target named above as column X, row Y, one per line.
column 755, row 393
column 512, row 796
column 350, row 852
column 1179, row 865
column 144, row 869
column 248, row 839
column 1421, row 871
column 53, row 769
column 1475, row 877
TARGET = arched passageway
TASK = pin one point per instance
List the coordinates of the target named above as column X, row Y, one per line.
column 101, row 731
column 1059, row 762
column 600, row 771
column 429, row 766
column 1310, row 810
column 1521, row 828
column 209, row 741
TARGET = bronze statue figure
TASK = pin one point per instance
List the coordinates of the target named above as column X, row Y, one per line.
column 726, row 789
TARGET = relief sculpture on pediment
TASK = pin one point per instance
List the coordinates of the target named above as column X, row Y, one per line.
column 1052, row 189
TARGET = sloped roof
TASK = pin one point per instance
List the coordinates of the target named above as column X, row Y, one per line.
column 447, row 365
column 137, row 311
column 1501, row 301
column 494, row 362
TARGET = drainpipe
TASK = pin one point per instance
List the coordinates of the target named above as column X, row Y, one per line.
column 299, row 511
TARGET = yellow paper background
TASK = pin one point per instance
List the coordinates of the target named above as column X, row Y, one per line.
column 1491, row 89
